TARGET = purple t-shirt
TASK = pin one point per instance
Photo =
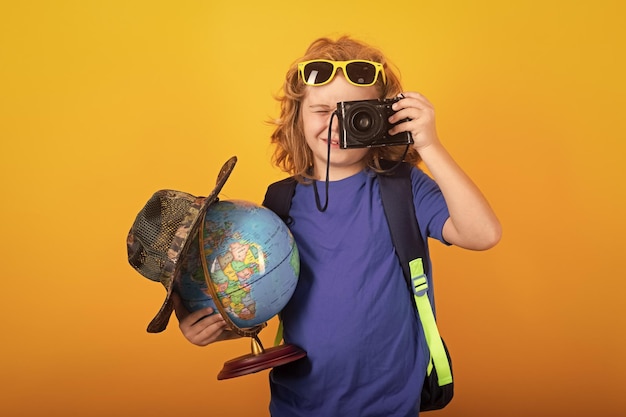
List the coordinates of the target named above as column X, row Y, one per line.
column 352, row 311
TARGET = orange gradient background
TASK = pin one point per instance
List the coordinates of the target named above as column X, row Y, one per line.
column 104, row 102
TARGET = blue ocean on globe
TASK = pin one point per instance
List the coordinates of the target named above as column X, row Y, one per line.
column 251, row 259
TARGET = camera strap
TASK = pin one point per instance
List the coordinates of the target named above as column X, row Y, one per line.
column 327, row 180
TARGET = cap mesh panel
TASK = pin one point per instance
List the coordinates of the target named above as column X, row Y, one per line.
column 156, row 226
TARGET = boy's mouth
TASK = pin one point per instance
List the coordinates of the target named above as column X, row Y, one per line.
column 333, row 142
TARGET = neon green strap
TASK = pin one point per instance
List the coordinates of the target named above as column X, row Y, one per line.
column 425, row 311
column 279, row 333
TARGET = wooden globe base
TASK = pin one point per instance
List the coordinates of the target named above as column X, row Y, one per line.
column 258, row 361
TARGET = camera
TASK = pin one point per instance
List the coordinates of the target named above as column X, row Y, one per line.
column 365, row 124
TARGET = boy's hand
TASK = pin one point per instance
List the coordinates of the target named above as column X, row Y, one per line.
column 421, row 113
column 201, row 327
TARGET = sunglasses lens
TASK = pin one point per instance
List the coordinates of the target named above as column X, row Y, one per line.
column 361, row 72
column 317, row 72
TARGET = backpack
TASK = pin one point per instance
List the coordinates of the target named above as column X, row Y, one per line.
column 396, row 194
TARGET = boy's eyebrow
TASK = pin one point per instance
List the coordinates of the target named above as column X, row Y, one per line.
column 323, row 106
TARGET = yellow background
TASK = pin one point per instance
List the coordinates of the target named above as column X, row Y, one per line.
column 104, row 102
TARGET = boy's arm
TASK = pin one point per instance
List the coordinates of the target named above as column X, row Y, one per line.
column 472, row 223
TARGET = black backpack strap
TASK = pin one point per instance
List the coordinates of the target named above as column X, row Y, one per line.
column 396, row 193
column 278, row 197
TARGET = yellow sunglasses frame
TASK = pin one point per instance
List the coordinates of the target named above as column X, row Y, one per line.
column 343, row 64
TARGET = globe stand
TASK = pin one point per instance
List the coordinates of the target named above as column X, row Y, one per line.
column 260, row 359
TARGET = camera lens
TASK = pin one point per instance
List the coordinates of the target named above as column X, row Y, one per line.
column 362, row 121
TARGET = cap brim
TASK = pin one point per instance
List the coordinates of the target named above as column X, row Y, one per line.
column 162, row 318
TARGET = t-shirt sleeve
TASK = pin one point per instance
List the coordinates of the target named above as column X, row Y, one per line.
column 430, row 207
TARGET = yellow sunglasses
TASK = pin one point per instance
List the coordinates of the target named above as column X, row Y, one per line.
column 357, row 71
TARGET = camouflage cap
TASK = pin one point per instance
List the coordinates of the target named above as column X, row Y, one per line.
column 160, row 236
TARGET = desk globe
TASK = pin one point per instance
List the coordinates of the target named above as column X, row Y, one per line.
column 245, row 258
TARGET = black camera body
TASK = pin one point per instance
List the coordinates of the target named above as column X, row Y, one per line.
column 365, row 124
